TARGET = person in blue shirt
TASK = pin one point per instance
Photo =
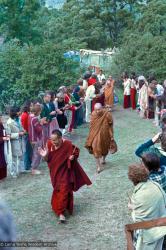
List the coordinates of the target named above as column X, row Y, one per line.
column 148, row 147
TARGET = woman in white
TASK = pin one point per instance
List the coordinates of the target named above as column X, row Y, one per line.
column 15, row 130
column 143, row 96
column 90, row 94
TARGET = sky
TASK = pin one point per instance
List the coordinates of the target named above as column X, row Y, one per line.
column 54, row 3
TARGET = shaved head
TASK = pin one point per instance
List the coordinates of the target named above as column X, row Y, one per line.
column 97, row 106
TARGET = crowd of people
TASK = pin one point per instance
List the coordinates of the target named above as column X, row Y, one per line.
column 147, row 96
column 148, row 201
column 37, row 131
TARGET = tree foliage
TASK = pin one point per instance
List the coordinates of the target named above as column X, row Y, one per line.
column 144, row 46
column 36, row 38
column 16, row 20
column 27, row 70
column 97, row 24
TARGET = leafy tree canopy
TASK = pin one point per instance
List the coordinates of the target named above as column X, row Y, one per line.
column 144, row 46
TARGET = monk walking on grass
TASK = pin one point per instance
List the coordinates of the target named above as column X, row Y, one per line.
column 100, row 140
column 66, row 173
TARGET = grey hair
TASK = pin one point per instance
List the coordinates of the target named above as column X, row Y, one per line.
column 60, row 95
column 7, row 227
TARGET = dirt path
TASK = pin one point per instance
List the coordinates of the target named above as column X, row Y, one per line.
column 100, row 210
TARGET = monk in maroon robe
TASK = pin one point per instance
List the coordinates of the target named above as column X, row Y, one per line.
column 66, row 173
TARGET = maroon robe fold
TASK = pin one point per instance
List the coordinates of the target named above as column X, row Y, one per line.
column 3, row 166
column 66, row 176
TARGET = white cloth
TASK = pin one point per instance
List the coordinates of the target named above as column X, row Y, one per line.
column 127, row 85
column 101, row 77
column 133, row 84
column 90, row 93
column 15, row 148
column 88, row 110
column 85, row 84
column 160, row 89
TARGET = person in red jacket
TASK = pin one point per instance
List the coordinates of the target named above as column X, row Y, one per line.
column 92, row 80
column 27, row 146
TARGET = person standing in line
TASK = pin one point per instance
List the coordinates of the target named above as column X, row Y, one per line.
column 109, row 92
column 90, row 94
column 143, row 96
column 27, row 149
column 61, row 107
column 151, row 100
column 133, row 91
column 3, row 138
column 36, row 136
column 147, row 202
column 48, row 114
column 53, row 114
column 16, row 132
column 101, row 76
column 127, row 86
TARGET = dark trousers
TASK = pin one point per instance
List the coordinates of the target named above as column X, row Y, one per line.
column 27, row 153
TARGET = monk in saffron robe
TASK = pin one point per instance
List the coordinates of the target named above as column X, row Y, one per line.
column 66, row 173
column 100, row 140
column 109, row 92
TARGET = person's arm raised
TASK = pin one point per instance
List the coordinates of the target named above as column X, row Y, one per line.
column 43, row 153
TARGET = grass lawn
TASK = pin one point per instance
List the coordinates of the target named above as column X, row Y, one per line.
column 100, row 210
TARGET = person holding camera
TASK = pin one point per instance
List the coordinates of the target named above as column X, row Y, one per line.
column 148, row 147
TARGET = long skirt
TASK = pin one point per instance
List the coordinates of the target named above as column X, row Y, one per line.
column 71, row 121
column 46, row 128
column 151, row 108
column 126, row 103
column 88, row 110
column 62, row 200
column 53, row 125
column 133, row 98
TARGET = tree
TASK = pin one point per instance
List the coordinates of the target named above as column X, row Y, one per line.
column 144, row 46
column 32, row 69
column 16, row 20
column 94, row 24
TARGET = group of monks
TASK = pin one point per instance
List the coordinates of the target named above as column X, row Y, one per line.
column 67, row 176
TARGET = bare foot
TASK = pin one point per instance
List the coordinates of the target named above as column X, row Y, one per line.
column 62, row 218
column 103, row 160
column 99, row 170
